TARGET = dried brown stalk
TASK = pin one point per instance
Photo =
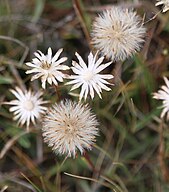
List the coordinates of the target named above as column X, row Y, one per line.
column 80, row 15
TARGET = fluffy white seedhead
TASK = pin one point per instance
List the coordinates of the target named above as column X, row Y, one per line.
column 163, row 94
column 27, row 106
column 165, row 4
column 88, row 77
column 70, row 126
column 118, row 33
column 47, row 68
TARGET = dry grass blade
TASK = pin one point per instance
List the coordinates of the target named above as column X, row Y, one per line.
column 80, row 16
column 26, row 161
column 23, row 183
column 94, row 180
column 4, row 188
column 20, row 43
column 37, row 189
column 113, row 183
column 10, row 143
column 17, row 77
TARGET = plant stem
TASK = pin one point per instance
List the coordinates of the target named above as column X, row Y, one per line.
column 87, row 157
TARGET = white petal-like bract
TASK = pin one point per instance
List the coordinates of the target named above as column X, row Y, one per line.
column 87, row 76
column 27, row 106
column 47, row 68
column 163, row 94
column 165, row 4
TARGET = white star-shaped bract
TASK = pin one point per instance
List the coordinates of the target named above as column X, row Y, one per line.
column 165, row 3
column 88, row 77
column 47, row 68
column 27, row 106
column 163, row 94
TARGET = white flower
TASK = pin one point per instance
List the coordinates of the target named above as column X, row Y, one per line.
column 47, row 68
column 165, row 3
column 88, row 77
column 118, row 33
column 163, row 94
column 69, row 126
column 27, row 106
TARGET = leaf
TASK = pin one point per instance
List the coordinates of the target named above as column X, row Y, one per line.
column 5, row 80
column 39, row 6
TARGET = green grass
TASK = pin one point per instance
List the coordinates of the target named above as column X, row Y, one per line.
column 126, row 155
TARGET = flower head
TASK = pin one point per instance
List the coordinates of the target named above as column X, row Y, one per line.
column 165, row 3
column 118, row 33
column 69, row 126
column 47, row 68
column 27, row 106
column 163, row 94
column 88, row 77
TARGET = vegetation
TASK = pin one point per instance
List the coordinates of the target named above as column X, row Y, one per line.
column 132, row 149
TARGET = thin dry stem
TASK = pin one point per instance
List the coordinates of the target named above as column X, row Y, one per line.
column 10, row 144
column 80, row 16
column 20, row 43
column 89, row 179
column 17, row 77
column 4, row 188
column 87, row 157
column 58, row 92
